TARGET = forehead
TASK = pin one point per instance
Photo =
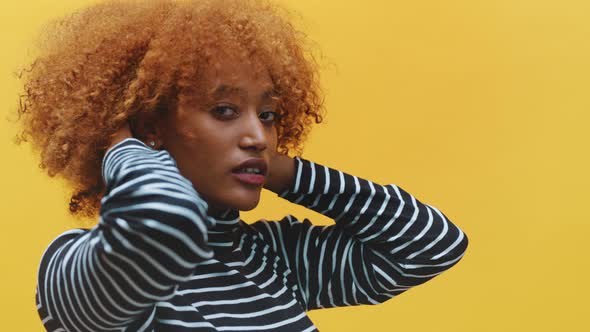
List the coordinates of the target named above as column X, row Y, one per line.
column 235, row 75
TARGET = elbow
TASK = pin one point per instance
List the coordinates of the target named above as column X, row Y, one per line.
column 457, row 250
column 464, row 243
column 451, row 249
column 461, row 249
column 454, row 241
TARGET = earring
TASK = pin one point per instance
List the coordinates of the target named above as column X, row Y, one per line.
column 152, row 144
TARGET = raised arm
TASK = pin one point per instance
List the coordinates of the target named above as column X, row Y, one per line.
column 384, row 241
column 151, row 234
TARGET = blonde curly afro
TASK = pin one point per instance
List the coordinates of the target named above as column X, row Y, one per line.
column 115, row 61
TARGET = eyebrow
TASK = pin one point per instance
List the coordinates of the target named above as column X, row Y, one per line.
column 227, row 90
column 224, row 90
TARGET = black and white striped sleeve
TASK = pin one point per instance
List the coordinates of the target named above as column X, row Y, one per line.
column 151, row 234
column 383, row 243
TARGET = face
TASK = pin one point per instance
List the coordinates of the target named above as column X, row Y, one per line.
column 211, row 133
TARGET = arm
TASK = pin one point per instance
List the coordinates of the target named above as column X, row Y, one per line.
column 384, row 241
column 151, row 234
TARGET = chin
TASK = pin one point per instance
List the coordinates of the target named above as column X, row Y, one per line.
column 239, row 200
column 246, row 205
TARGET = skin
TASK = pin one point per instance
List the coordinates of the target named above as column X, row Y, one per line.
column 213, row 132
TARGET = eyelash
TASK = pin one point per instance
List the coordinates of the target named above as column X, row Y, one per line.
column 216, row 110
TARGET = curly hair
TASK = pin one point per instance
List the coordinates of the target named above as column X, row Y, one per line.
column 115, row 61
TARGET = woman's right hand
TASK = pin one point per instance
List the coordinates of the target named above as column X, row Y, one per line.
column 121, row 134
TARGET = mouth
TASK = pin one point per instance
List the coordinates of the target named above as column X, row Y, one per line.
column 252, row 171
column 249, row 178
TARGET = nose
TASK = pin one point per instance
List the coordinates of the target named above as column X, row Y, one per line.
column 254, row 133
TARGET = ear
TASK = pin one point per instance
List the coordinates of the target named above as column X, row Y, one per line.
column 147, row 128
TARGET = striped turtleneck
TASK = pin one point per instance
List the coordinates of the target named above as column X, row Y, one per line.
column 157, row 261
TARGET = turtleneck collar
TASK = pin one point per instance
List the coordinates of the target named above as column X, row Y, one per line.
column 224, row 235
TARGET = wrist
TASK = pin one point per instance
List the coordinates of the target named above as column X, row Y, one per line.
column 281, row 174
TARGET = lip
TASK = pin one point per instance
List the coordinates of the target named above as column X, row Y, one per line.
column 253, row 179
column 249, row 178
column 253, row 163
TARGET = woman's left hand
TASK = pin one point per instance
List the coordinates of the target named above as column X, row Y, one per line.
column 280, row 173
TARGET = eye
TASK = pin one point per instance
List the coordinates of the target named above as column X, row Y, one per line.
column 224, row 111
column 269, row 116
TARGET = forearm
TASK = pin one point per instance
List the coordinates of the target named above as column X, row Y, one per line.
column 386, row 218
column 151, row 235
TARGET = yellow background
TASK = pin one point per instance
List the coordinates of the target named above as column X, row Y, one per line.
column 479, row 108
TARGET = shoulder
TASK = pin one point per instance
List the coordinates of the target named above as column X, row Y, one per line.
column 262, row 226
column 273, row 231
column 66, row 237
column 56, row 246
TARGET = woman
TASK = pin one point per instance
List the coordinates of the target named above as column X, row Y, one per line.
column 168, row 118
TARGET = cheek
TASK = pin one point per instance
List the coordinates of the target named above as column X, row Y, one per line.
column 196, row 133
column 187, row 130
column 211, row 148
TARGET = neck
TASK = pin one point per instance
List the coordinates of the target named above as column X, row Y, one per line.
column 216, row 211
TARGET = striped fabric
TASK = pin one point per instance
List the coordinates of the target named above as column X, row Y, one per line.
column 156, row 261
